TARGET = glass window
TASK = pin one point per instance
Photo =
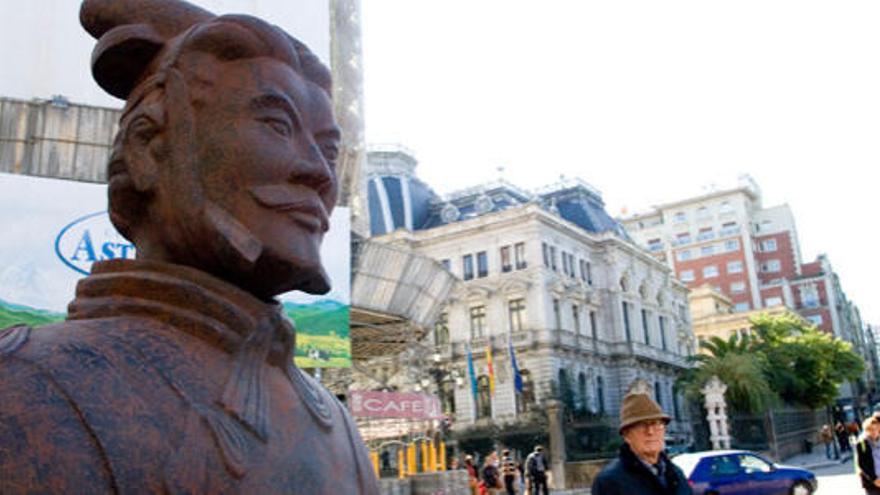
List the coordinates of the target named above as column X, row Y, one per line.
column 771, row 266
column 710, row 271
column 576, row 318
column 743, row 306
column 446, row 264
column 516, row 310
column 589, row 274
column 702, row 213
column 683, row 238
column 680, row 217
column 467, row 267
column 645, row 329
column 626, row 321
column 478, row 321
column 662, row 321
column 484, row 397
column 600, row 394
column 734, row 267
column 731, row 245
column 657, row 395
column 557, row 316
column 593, row 327
column 519, row 255
column 768, row 245
column 506, row 265
column 553, row 258
column 753, row 464
column 773, row 301
column 707, row 250
column 737, row 287
column 686, row 276
column 815, row 319
column 725, row 207
column 655, row 245
column 725, row 465
column 441, row 329
column 684, row 255
column 545, row 250
column 482, row 264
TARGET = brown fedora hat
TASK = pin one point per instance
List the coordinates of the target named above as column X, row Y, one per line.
column 637, row 408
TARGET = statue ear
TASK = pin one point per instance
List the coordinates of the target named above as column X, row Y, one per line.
column 122, row 55
column 143, row 148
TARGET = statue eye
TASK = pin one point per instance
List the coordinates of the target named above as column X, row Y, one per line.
column 281, row 126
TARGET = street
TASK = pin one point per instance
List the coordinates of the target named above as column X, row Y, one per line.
column 838, row 480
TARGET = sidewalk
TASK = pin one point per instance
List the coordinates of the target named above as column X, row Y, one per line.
column 816, row 459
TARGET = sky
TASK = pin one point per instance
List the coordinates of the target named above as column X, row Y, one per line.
column 647, row 101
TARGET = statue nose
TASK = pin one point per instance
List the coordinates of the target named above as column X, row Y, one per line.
column 315, row 174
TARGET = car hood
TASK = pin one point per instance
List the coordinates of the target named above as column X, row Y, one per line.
column 795, row 469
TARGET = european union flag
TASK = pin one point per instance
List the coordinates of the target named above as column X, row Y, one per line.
column 517, row 378
column 473, row 375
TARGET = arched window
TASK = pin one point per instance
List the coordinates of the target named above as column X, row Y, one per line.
column 526, row 399
column 484, row 397
column 583, row 403
column 600, row 394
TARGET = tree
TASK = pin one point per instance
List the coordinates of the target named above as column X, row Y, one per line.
column 784, row 358
column 803, row 364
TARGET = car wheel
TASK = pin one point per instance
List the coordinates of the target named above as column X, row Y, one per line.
column 801, row 488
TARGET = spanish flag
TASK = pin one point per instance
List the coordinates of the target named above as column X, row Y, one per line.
column 491, row 369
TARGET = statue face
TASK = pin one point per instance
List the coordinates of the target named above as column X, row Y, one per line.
column 265, row 145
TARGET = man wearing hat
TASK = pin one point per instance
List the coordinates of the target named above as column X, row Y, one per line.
column 641, row 467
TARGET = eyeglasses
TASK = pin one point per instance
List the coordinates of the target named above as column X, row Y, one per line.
column 654, row 424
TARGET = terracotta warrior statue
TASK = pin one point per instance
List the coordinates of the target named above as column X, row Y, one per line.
column 174, row 372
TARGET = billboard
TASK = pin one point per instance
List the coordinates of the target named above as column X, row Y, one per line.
column 53, row 230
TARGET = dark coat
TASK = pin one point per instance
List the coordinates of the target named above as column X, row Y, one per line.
column 626, row 475
column 865, row 465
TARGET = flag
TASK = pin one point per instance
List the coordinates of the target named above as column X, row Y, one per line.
column 490, row 369
column 517, row 378
column 471, row 373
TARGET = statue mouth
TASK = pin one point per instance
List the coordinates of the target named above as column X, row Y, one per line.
column 303, row 206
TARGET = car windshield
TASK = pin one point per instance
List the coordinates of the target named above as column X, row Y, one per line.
column 686, row 462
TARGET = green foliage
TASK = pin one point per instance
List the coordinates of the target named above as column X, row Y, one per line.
column 785, row 358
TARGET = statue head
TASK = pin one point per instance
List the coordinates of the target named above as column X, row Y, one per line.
column 224, row 159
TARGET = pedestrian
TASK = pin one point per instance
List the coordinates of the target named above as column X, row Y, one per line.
column 868, row 456
column 490, row 479
column 472, row 473
column 508, row 472
column 536, row 469
column 641, row 467
column 842, row 437
column 827, row 438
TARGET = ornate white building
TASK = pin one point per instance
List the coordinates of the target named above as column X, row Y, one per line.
column 549, row 271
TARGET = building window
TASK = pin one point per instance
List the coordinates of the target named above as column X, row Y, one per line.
column 645, row 328
column 626, row 321
column 676, row 410
column 589, row 274
column 702, row 213
column 545, row 250
column 482, row 264
column 679, row 217
column 725, row 207
column 768, row 245
column 593, row 328
column 737, row 287
column 484, row 397
column 771, row 266
column 815, row 319
column 467, row 267
column 553, row 258
column 728, row 228
column 686, row 276
column 772, row 301
column 662, row 321
column 710, row 271
column 683, row 238
column 583, row 399
column 707, row 250
column 506, row 264
column 809, row 296
column 516, row 312
column 731, row 245
column 600, row 394
column 734, row 267
column 527, row 397
column 684, row 255
column 657, row 395
column 441, row 330
column 478, row 321
column 740, row 307
column 655, row 245
column 705, row 234
column 446, row 263
column 557, row 316
column 519, row 255
column 576, row 318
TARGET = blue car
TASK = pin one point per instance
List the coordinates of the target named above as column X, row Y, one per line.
column 740, row 472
